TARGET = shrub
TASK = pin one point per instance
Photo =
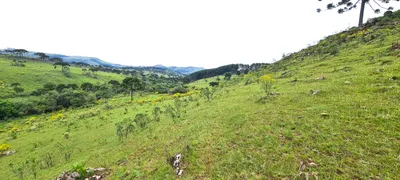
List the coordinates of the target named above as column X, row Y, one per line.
column 208, row 93
column 124, row 128
column 31, row 120
column 49, row 86
column 60, row 87
column 227, row 76
column 82, row 170
column 47, row 161
column 179, row 90
column 4, row 147
column 14, row 132
column 87, row 86
column 56, row 117
column 212, row 84
column 72, row 86
column 266, row 83
column 156, row 114
column 141, row 120
column 6, row 110
column 39, row 92
column 174, row 111
column 25, row 169
column 66, row 150
column 24, row 107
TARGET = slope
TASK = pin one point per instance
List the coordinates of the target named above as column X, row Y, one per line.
column 347, row 128
column 36, row 73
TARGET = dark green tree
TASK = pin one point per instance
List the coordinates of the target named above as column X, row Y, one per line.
column 20, row 52
column 64, row 66
column 114, row 83
column 347, row 5
column 61, row 87
column 49, row 86
column 42, row 56
column 132, row 84
column 87, row 86
column 72, row 86
column 228, row 76
column 18, row 89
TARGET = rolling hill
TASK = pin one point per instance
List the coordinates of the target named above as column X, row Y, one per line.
column 332, row 113
column 98, row 62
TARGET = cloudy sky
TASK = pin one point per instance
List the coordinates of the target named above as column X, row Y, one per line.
column 206, row 33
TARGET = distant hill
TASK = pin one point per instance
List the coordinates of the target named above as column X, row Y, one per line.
column 232, row 68
column 181, row 70
column 98, row 62
column 88, row 60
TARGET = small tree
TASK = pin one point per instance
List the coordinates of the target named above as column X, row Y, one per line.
column 228, row 76
column 114, row 83
column 87, row 86
column 42, row 56
column 132, row 84
column 64, row 66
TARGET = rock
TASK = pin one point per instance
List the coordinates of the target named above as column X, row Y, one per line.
column 96, row 177
column 274, row 93
column 321, row 78
column 315, row 92
column 122, row 162
column 324, row 115
column 99, row 173
column 347, row 82
column 175, row 162
column 299, row 117
column 379, row 70
column 75, row 175
column 8, row 153
column 179, row 172
column 99, row 169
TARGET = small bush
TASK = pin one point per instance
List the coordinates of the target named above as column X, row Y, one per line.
column 179, row 90
column 124, row 128
column 4, row 147
column 156, row 114
column 47, row 161
column 141, row 120
column 49, row 86
column 81, row 169
column 266, row 83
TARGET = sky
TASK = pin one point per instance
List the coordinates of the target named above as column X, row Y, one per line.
column 203, row 33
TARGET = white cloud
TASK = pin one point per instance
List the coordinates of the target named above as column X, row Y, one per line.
column 205, row 33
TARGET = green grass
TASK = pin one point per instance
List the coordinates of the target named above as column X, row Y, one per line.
column 233, row 137
column 36, row 73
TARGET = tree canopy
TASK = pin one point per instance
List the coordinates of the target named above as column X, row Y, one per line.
column 347, row 5
column 133, row 84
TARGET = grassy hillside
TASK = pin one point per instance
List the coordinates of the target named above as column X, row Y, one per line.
column 36, row 73
column 334, row 113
